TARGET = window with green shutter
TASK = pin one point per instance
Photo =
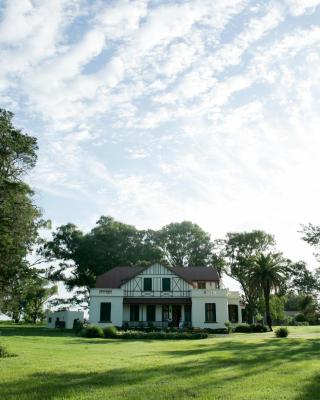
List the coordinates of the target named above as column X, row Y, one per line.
column 166, row 284
column 210, row 310
column 147, row 284
column 105, row 312
column 134, row 312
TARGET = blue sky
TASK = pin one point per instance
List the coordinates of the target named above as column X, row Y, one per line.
column 161, row 111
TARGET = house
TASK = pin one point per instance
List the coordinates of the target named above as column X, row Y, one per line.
column 63, row 318
column 162, row 296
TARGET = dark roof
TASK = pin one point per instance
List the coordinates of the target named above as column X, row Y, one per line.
column 197, row 273
column 118, row 275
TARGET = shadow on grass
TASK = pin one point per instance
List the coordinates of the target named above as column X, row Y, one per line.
column 216, row 365
column 29, row 330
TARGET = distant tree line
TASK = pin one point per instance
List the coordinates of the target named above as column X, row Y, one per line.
column 269, row 281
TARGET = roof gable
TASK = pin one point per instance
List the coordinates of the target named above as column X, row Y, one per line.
column 117, row 276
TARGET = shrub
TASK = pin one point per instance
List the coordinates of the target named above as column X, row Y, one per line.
column 258, row 328
column 4, row 353
column 282, row 332
column 110, row 332
column 242, row 328
column 300, row 318
column 77, row 326
column 92, row 331
column 161, row 335
column 228, row 326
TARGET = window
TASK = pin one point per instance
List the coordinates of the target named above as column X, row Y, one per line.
column 201, row 285
column 233, row 313
column 134, row 312
column 166, row 284
column 165, row 312
column 49, row 320
column 210, row 309
column 243, row 315
column 105, row 312
column 147, row 284
column 151, row 312
column 187, row 313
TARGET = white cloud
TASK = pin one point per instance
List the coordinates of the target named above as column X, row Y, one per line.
column 155, row 112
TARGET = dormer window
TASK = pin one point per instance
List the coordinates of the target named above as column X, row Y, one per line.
column 201, row 285
column 147, row 284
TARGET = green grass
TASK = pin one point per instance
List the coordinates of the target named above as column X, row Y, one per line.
column 57, row 365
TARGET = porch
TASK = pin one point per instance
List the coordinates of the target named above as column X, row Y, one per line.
column 157, row 312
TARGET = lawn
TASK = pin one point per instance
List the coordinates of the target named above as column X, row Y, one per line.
column 50, row 365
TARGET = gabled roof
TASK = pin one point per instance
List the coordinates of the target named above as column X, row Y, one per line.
column 117, row 276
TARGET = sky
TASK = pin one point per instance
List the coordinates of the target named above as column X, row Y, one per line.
column 162, row 111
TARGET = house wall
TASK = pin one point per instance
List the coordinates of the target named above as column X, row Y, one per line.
column 113, row 296
column 202, row 296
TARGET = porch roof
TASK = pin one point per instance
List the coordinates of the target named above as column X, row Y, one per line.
column 156, row 300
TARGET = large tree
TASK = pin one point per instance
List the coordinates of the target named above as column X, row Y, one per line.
column 82, row 257
column 19, row 217
column 239, row 251
column 267, row 274
column 184, row 244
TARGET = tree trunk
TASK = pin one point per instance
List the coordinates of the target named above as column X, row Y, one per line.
column 267, row 304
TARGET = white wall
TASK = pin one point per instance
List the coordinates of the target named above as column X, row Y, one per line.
column 202, row 296
column 67, row 316
column 113, row 296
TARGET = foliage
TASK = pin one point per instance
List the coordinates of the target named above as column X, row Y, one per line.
column 110, row 332
column 228, row 326
column 302, row 280
column 307, row 305
column 282, row 332
column 26, row 295
column 242, row 328
column 184, row 244
column 239, row 251
column 267, row 273
column 162, row 335
column 78, row 326
column 20, row 219
column 4, row 353
column 246, row 328
column 277, row 304
column 111, row 243
column 93, row 331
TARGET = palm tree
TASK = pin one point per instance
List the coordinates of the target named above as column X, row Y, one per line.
column 268, row 273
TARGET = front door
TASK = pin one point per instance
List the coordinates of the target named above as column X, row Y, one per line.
column 176, row 315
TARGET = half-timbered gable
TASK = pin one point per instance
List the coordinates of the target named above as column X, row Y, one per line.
column 157, row 281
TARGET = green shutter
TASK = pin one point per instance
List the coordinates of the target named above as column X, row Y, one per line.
column 166, row 284
column 147, row 284
column 105, row 312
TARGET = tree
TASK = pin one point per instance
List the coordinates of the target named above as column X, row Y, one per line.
column 19, row 217
column 302, row 280
column 82, row 257
column 184, row 244
column 239, row 251
column 26, row 295
column 268, row 273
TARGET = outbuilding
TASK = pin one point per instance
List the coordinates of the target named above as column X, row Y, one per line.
column 63, row 318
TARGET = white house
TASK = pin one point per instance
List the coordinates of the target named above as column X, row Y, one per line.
column 163, row 296
column 63, row 318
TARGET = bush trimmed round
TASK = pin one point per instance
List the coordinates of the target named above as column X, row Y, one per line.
column 282, row 332
column 110, row 332
column 93, row 331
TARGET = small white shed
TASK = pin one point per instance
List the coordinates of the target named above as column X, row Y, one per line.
column 63, row 319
